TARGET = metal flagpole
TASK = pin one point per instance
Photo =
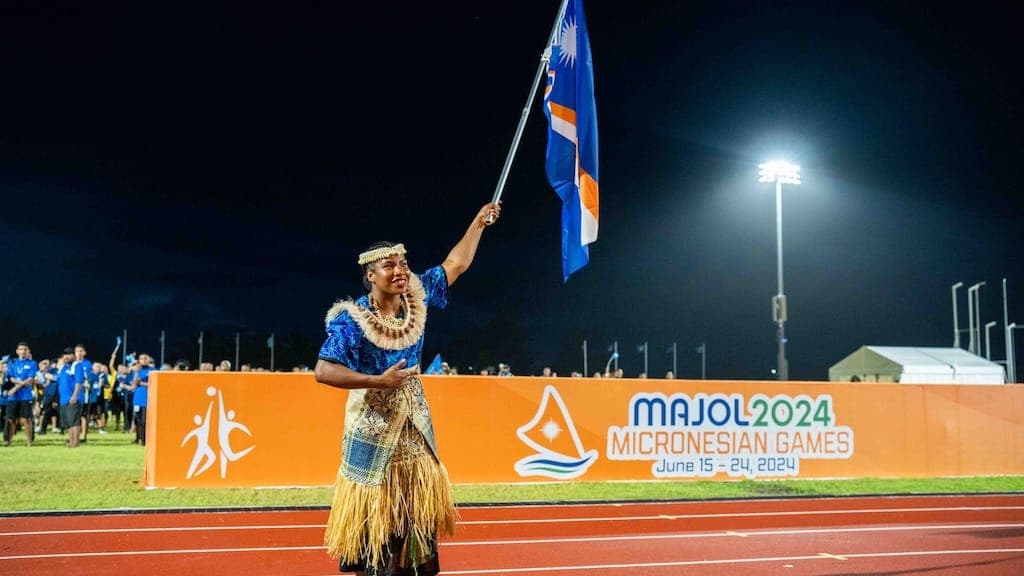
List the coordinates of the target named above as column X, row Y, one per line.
column 646, row 373
column 237, row 337
column 163, row 344
column 703, row 361
column 585, row 359
column 675, row 371
column 199, row 366
column 545, row 56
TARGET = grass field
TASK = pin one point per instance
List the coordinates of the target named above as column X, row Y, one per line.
column 106, row 473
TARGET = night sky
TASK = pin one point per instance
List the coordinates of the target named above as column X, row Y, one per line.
column 219, row 169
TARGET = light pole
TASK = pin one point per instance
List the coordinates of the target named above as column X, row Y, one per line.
column 779, row 172
column 988, row 340
column 956, row 322
column 1011, row 358
column 974, row 316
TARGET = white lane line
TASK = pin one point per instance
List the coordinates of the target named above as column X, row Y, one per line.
column 161, row 552
column 738, row 515
column 164, row 529
column 729, row 534
column 729, row 561
column 542, row 541
column 323, row 526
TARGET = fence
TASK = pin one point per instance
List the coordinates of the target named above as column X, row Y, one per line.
column 233, row 429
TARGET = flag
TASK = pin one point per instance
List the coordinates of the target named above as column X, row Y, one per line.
column 270, row 341
column 571, row 160
column 435, row 365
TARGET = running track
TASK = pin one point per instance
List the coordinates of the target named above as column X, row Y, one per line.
column 895, row 536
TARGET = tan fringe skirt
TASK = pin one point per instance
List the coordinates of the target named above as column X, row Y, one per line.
column 413, row 506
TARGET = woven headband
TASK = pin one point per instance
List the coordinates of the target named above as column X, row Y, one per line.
column 379, row 253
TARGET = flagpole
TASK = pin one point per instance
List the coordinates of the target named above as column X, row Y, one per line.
column 237, row 337
column 544, row 58
column 703, row 361
column 163, row 342
column 272, row 343
column 585, row 359
column 646, row 373
column 675, row 370
column 199, row 366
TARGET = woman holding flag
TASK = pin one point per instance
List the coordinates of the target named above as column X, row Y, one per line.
column 392, row 497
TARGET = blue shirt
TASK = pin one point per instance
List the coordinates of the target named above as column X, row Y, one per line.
column 141, row 398
column 83, row 372
column 347, row 345
column 66, row 385
column 50, row 389
column 23, row 370
column 95, row 385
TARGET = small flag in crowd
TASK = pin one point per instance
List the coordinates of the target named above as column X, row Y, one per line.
column 435, row 366
column 571, row 160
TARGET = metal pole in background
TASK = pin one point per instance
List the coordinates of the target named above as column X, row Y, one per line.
column 956, row 322
column 124, row 353
column 703, row 361
column 646, row 373
column 988, row 340
column 199, row 366
column 781, row 297
column 1006, row 326
column 977, row 318
column 238, row 337
column 271, row 342
column 1011, row 360
column 585, row 373
column 675, row 370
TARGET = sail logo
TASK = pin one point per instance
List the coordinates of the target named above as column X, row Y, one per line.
column 205, row 455
column 552, row 434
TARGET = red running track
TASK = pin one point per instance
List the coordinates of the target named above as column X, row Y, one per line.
column 933, row 536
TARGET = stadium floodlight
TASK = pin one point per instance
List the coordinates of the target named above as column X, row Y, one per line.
column 779, row 172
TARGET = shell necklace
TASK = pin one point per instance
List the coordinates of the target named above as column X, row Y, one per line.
column 389, row 321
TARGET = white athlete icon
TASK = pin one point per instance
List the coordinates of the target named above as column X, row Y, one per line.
column 203, row 449
column 205, row 455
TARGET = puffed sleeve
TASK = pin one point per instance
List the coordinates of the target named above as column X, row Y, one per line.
column 435, row 283
column 343, row 340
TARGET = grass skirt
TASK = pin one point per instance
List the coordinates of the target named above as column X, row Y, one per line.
column 392, row 529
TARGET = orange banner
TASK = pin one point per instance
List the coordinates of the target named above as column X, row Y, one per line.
column 232, row 429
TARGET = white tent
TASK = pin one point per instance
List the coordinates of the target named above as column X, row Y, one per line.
column 916, row 365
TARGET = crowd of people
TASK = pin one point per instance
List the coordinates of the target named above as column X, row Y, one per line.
column 72, row 394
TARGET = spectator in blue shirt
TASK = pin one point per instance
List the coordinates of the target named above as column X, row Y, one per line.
column 22, row 374
column 84, row 378
column 140, row 386
column 70, row 394
column 5, row 387
column 47, row 380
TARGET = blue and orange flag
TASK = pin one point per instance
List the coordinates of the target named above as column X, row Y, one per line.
column 571, row 161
